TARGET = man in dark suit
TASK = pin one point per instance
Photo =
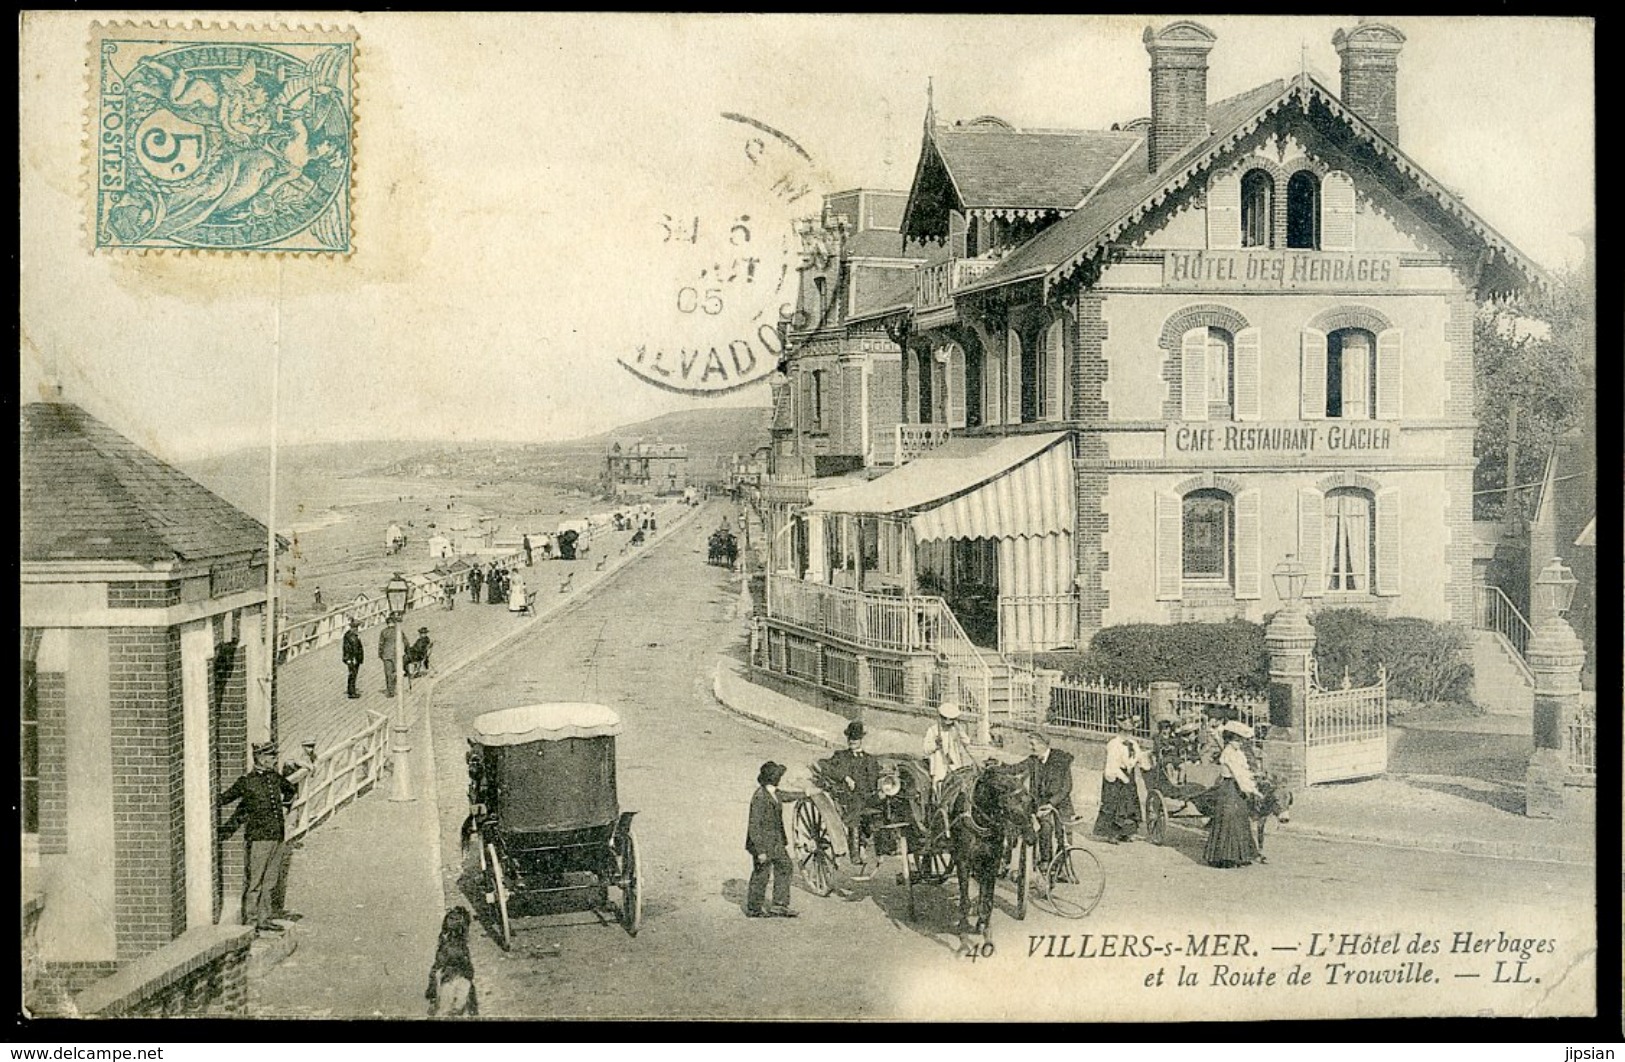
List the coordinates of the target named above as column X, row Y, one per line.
column 768, row 847
column 353, row 655
column 1051, row 773
column 386, row 655
column 861, row 776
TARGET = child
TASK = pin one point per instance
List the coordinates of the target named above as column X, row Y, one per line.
column 451, row 979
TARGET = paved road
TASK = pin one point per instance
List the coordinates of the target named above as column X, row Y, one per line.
column 647, row 643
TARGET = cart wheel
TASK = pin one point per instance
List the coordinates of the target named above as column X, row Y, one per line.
column 817, row 860
column 631, row 883
column 908, row 870
column 499, row 888
column 1072, row 884
column 1023, row 879
column 1156, row 818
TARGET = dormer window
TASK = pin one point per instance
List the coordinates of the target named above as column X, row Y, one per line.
column 1303, row 211
column 1257, row 208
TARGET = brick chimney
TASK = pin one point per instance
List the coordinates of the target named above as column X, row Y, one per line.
column 1370, row 54
column 1178, row 88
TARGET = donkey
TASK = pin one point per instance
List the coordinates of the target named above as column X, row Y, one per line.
column 983, row 821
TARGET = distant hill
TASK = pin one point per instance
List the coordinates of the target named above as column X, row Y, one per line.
column 709, row 434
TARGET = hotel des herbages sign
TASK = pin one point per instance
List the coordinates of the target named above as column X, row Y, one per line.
column 1275, row 270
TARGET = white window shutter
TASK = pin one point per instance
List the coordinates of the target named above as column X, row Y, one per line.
column 1249, row 547
column 1388, row 551
column 806, row 420
column 1193, row 374
column 1055, row 371
column 1012, row 377
column 1170, row 558
column 1311, row 522
column 1390, row 374
column 992, row 388
column 1247, row 385
column 956, row 385
column 1312, row 394
column 1337, row 212
column 1224, row 212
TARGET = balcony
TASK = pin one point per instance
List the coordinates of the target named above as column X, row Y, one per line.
column 934, row 286
column 913, row 440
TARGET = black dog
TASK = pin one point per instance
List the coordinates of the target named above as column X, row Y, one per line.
column 451, row 979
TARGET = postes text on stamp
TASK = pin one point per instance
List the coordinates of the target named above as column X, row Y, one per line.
column 223, row 139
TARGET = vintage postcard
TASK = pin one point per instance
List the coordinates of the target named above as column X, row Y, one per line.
column 810, row 517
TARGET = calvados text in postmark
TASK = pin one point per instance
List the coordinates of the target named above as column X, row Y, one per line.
column 724, row 260
column 223, row 139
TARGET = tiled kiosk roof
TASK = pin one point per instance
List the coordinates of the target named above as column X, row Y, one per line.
column 90, row 494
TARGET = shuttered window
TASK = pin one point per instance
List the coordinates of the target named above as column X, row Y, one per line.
column 1351, row 379
column 1303, row 211
column 1054, row 373
column 1167, row 546
column 1246, row 386
column 1390, row 374
column 955, row 379
column 1257, row 208
column 1207, row 536
column 1224, row 212
column 1312, row 381
column 1221, row 356
column 1388, row 551
column 1337, row 206
column 1249, row 546
column 1346, row 537
column 1012, row 376
column 1311, row 515
column 1193, row 377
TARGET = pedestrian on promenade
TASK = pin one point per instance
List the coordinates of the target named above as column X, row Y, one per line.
column 416, row 661
column 768, row 847
column 386, row 654
column 1230, row 839
column 475, row 578
column 492, row 575
column 262, row 797
column 448, row 593
column 516, row 594
column 1119, row 806
column 529, row 560
column 353, row 654
column 320, row 607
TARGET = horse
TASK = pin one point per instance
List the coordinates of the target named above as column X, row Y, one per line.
column 982, row 821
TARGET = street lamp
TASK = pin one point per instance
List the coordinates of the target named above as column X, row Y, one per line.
column 1554, row 590
column 1290, row 578
column 397, row 594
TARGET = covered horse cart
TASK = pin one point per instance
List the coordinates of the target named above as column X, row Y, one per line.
column 544, row 815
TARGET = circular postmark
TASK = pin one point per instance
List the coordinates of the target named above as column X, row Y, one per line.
column 727, row 258
column 223, row 145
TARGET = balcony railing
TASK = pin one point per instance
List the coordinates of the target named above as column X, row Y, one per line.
column 873, row 621
column 914, row 440
column 935, row 285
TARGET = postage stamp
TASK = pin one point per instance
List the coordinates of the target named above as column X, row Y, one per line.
column 222, row 138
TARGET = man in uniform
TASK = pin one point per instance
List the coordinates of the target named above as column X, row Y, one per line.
column 769, row 848
column 262, row 797
column 353, row 655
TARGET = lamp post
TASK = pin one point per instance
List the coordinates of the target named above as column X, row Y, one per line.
column 1556, row 656
column 397, row 593
column 1290, row 641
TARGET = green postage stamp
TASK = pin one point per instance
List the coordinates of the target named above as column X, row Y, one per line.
column 223, row 138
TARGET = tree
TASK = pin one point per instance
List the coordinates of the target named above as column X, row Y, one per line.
column 1535, row 366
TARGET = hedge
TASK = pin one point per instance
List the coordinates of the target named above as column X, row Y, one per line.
column 1205, row 656
column 1427, row 662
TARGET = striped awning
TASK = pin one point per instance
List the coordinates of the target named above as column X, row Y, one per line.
column 983, row 487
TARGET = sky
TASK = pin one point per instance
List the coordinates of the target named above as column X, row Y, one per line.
column 513, row 174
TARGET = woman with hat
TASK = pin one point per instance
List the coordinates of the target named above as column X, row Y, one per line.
column 1119, row 802
column 946, row 746
column 1230, row 840
column 769, row 848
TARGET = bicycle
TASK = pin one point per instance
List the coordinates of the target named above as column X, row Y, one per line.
column 1071, row 882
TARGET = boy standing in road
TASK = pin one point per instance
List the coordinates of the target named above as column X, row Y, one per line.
column 768, row 847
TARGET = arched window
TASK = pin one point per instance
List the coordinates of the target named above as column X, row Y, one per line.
column 1257, row 208
column 1303, row 211
column 1221, row 374
column 1350, row 540
column 1351, row 374
column 1207, row 535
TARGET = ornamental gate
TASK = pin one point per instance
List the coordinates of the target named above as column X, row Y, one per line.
column 1345, row 731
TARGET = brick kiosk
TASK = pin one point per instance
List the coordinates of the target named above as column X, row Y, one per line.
column 144, row 668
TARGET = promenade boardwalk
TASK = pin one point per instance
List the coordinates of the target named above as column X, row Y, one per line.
column 311, row 705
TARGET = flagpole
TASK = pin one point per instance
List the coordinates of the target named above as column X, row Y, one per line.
column 270, row 518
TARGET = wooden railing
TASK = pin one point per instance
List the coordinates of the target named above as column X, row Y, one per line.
column 935, row 285
column 340, row 774
column 915, row 440
column 873, row 621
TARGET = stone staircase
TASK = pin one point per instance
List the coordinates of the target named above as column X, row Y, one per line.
column 1501, row 681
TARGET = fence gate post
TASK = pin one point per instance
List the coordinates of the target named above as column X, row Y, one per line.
column 1290, row 642
column 1556, row 657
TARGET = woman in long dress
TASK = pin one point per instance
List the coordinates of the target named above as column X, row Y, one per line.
column 1230, row 840
column 1119, row 800
column 516, row 593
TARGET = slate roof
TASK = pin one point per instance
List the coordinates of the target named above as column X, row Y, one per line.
column 896, row 293
column 879, row 243
column 1132, row 192
column 992, row 166
column 88, row 493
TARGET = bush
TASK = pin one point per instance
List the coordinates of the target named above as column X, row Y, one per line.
column 1201, row 655
column 1427, row 662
